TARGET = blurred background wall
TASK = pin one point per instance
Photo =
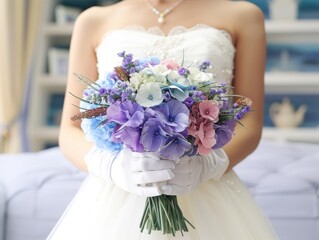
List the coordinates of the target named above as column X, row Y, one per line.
column 35, row 36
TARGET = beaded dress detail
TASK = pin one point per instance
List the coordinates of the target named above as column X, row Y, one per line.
column 200, row 42
column 220, row 210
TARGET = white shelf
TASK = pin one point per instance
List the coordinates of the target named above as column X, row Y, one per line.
column 298, row 31
column 297, row 26
column 47, row 133
column 301, row 82
column 53, row 29
column 292, row 134
column 53, row 81
column 272, row 27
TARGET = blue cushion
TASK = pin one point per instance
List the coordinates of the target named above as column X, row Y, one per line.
column 39, row 186
column 2, row 210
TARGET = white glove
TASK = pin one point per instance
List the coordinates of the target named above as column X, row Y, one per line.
column 191, row 172
column 138, row 173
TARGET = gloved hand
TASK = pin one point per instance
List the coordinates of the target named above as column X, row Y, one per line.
column 191, row 172
column 138, row 173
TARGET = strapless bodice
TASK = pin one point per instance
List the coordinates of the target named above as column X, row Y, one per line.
column 191, row 45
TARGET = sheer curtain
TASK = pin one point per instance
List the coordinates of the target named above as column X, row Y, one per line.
column 19, row 21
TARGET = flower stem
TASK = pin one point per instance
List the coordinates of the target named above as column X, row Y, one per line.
column 162, row 213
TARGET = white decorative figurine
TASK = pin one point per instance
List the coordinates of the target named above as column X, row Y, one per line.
column 283, row 114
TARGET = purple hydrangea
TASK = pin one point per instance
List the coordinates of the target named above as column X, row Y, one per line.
column 175, row 147
column 127, row 114
column 174, row 114
column 131, row 138
column 154, row 134
column 224, row 133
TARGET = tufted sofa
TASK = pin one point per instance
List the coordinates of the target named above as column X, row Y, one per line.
column 284, row 180
column 35, row 188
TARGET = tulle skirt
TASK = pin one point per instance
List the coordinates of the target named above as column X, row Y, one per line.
column 222, row 210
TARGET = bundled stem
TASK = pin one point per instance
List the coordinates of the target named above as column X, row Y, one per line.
column 162, row 213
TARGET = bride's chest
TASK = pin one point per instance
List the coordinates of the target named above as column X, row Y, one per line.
column 199, row 43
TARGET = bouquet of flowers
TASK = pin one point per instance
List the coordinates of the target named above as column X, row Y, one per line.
column 160, row 106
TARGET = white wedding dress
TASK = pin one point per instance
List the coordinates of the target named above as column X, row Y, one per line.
column 222, row 210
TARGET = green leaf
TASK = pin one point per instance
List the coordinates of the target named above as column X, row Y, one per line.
column 87, row 81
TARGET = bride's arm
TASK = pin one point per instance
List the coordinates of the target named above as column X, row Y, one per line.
column 248, row 80
column 82, row 60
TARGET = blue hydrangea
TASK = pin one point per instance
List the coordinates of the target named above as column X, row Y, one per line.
column 100, row 135
column 108, row 81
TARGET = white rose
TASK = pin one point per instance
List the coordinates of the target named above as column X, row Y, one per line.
column 175, row 76
column 160, row 73
column 149, row 94
column 196, row 76
column 137, row 79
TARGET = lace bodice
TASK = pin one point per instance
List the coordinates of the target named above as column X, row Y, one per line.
column 196, row 44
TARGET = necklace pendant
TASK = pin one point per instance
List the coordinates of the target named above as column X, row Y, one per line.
column 161, row 19
column 161, row 15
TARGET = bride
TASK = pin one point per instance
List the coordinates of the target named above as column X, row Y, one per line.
column 111, row 200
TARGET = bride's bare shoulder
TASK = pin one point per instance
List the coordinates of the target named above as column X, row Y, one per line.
column 98, row 14
column 91, row 22
column 93, row 15
column 245, row 18
column 243, row 11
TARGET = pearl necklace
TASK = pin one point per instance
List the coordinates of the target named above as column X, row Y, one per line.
column 161, row 15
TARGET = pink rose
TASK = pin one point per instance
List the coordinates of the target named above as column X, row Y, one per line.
column 195, row 119
column 202, row 150
column 170, row 64
column 201, row 125
column 206, row 134
column 209, row 110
